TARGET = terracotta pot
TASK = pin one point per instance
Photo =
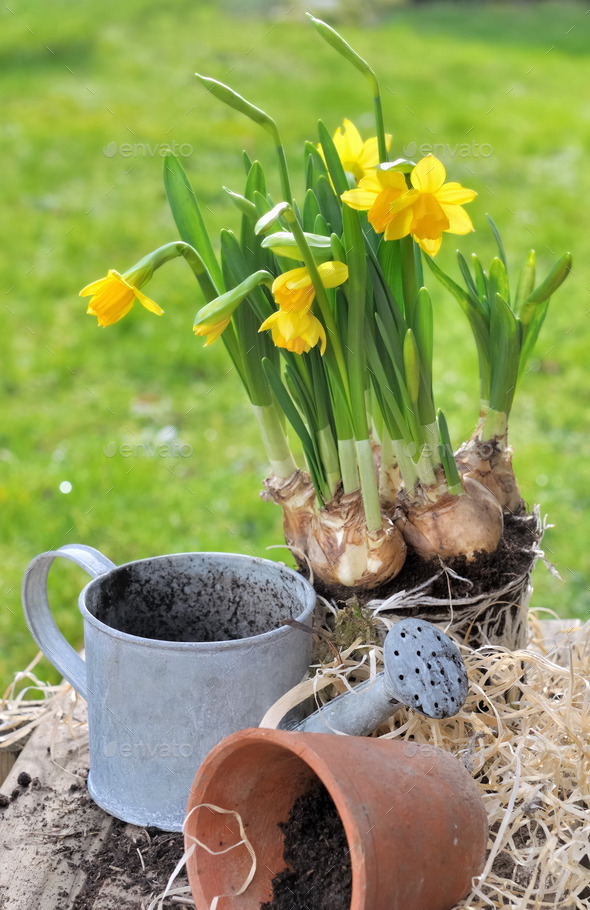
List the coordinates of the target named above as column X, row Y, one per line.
column 414, row 820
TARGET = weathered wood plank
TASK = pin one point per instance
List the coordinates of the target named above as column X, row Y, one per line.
column 7, row 760
column 42, row 863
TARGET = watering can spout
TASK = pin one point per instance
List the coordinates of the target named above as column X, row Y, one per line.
column 423, row 670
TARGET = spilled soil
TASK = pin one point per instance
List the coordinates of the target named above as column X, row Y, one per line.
column 318, row 874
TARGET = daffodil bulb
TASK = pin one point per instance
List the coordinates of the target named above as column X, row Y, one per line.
column 491, row 464
column 342, row 551
column 451, row 525
column 296, row 496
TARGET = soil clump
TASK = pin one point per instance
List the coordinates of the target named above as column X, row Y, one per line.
column 318, row 875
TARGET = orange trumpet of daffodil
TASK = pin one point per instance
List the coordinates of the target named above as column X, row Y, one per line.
column 293, row 326
column 428, row 209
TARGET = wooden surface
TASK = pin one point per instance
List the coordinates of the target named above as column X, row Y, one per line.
column 46, row 853
column 35, row 870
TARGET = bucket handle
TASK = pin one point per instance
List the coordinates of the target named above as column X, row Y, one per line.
column 38, row 614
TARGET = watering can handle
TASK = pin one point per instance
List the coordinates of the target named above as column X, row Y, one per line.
column 38, row 612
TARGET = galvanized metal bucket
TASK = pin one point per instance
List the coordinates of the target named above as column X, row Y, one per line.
column 180, row 651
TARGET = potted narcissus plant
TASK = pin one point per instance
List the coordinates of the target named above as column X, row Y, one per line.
column 323, row 306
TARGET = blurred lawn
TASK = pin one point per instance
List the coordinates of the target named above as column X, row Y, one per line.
column 83, row 83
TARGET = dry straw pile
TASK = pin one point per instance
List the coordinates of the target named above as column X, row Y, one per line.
column 524, row 733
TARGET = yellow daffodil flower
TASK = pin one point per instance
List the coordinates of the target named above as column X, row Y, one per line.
column 358, row 158
column 293, row 325
column 297, row 330
column 426, row 211
column 294, row 289
column 212, row 330
column 112, row 297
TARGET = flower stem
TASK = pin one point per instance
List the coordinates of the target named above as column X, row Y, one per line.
column 496, row 427
column 329, row 456
column 380, row 125
column 274, row 440
column 364, row 455
column 320, row 293
column 348, row 466
column 409, row 279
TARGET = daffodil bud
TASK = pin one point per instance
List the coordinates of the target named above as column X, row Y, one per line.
column 412, row 366
column 270, row 218
column 526, row 280
column 543, row 292
column 343, row 47
column 338, row 251
column 222, row 307
column 246, row 207
column 283, row 243
column 232, row 99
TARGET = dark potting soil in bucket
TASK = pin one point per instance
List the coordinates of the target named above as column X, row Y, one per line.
column 319, row 874
column 180, row 605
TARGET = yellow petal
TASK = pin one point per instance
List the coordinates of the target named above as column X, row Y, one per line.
column 399, row 226
column 109, row 311
column 211, row 331
column 431, row 247
column 360, row 199
column 390, row 179
column 369, row 157
column 459, row 220
column 333, row 273
column 148, row 303
column 429, row 175
column 269, row 322
column 348, row 142
column 293, row 275
column 455, row 194
column 112, row 279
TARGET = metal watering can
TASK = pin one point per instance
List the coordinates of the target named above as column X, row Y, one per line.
column 180, row 651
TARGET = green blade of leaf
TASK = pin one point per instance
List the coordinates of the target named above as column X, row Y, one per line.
column 526, row 281
column 187, row 215
column 333, row 162
column 467, row 277
column 411, row 366
column 547, row 288
column 481, row 285
column 505, row 337
column 329, row 205
column 447, row 456
column 496, row 234
column 498, row 280
column 286, row 404
column 311, row 210
column 531, row 334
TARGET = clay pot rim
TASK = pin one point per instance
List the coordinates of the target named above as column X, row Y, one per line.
column 305, row 751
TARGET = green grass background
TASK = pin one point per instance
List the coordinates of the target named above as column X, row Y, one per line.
column 504, row 84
